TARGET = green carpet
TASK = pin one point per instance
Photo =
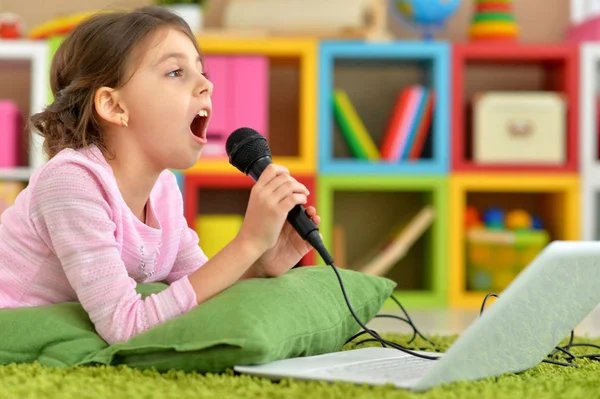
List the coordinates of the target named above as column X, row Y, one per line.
column 34, row 381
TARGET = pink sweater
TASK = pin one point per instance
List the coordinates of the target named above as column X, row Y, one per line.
column 70, row 236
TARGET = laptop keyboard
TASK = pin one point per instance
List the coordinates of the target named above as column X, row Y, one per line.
column 399, row 369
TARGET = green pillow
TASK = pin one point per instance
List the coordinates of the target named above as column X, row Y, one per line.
column 55, row 335
column 255, row 321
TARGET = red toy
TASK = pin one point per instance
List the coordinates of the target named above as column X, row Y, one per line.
column 11, row 26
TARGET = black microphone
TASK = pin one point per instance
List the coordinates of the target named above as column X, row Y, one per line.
column 249, row 152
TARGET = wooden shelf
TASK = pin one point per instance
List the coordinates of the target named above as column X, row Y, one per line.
column 555, row 196
column 289, row 114
column 19, row 173
column 512, row 67
column 233, row 202
column 388, row 68
column 369, row 206
column 33, row 56
column 589, row 151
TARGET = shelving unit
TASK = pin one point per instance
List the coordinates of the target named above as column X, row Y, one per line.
column 368, row 199
column 590, row 208
column 511, row 67
column 292, row 114
column 31, row 56
column 555, row 197
column 388, row 67
column 588, row 145
column 369, row 207
column 211, row 193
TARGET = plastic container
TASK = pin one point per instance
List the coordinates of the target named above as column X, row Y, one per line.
column 495, row 258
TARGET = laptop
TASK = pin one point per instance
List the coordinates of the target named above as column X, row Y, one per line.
column 540, row 307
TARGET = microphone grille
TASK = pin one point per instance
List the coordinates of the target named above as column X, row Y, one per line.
column 244, row 146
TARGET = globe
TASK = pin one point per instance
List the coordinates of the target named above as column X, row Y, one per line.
column 425, row 15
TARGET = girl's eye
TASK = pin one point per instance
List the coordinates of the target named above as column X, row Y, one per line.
column 176, row 73
column 205, row 74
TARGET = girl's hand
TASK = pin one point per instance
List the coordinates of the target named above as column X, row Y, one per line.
column 271, row 199
column 286, row 253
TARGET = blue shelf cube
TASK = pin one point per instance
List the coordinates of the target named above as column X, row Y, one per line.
column 391, row 67
column 180, row 180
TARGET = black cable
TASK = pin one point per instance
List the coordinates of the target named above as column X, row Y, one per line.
column 352, row 338
column 559, row 363
column 565, row 351
column 373, row 333
column 412, row 324
column 488, row 296
column 390, row 316
column 584, row 344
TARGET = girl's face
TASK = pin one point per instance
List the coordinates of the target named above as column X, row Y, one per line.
column 167, row 103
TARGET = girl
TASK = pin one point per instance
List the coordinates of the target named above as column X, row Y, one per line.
column 105, row 213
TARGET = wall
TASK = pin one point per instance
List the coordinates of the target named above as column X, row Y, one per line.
column 535, row 27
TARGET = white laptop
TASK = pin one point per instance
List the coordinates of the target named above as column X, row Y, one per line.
column 515, row 333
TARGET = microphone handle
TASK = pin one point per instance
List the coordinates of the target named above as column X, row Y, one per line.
column 297, row 216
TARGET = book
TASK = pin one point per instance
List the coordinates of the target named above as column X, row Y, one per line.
column 402, row 122
column 401, row 242
column 416, row 148
column 352, row 128
column 339, row 246
column 393, row 134
column 417, row 124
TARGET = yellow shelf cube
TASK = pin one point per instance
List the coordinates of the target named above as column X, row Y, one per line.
column 554, row 197
column 305, row 51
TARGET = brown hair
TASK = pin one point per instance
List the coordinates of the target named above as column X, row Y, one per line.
column 97, row 53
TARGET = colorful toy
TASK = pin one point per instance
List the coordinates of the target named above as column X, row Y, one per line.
column 499, row 250
column 11, row 26
column 493, row 218
column 472, row 218
column 495, row 258
column 425, row 15
column 518, row 219
column 536, row 223
column 60, row 25
column 494, row 20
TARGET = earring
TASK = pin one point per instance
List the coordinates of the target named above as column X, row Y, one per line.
column 124, row 122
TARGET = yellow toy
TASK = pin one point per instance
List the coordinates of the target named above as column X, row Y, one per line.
column 60, row 25
column 519, row 219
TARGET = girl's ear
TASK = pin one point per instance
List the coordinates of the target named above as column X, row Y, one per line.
column 109, row 108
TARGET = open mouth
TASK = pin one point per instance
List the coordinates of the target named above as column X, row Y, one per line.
column 199, row 124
